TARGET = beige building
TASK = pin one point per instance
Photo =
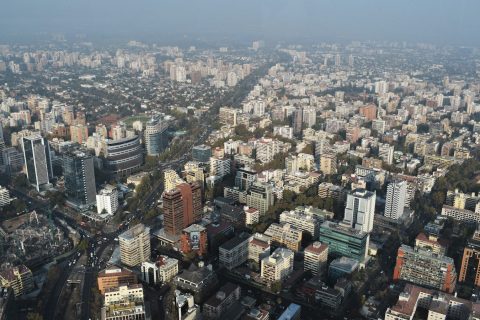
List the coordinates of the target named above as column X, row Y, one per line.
column 258, row 247
column 194, row 173
column 328, row 163
column 277, row 266
column 171, row 179
column 315, row 258
column 285, row 235
column 161, row 271
column 135, row 245
column 124, row 302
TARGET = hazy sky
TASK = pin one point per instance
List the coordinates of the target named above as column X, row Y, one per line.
column 438, row 21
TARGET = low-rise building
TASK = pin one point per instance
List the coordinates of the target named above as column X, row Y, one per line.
column 303, row 220
column 124, row 302
column 439, row 305
column 194, row 239
column 198, row 280
column 113, row 278
column 161, row 271
column 219, row 305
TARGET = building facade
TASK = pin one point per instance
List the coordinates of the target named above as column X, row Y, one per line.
column 38, row 163
column 79, row 178
column 135, row 245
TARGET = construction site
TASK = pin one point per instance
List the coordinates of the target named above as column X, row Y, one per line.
column 33, row 239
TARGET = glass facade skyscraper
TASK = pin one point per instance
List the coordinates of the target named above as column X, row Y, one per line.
column 36, row 154
column 79, row 177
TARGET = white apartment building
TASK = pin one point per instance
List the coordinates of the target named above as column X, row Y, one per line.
column 395, row 199
column 123, row 294
column 385, row 152
column 360, row 210
column 267, row 149
column 107, row 200
column 4, row 196
column 220, row 167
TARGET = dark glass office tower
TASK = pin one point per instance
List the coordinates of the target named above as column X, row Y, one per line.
column 79, row 178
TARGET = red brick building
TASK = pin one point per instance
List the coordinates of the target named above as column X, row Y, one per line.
column 182, row 207
column 194, row 239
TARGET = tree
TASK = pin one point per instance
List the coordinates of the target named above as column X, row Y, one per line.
column 34, row 316
column 276, row 286
column 18, row 205
column 309, row 149
column 83, row 245
column 20, row 181
column 56, row 198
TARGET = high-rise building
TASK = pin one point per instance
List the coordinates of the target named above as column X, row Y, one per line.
column 344, row 241
column 425, row 268
column 369, row 111
column 182, row 206
column 360, row 210
column 469, row 272
column 135, row 245
column 194, row 172
column 12, row 160
column 113, row 278
column 107, row 199
column 79, row 177
column 260, row 196
column 155, row 136
column 38, row 163
column 123, row 156
column 297, row 121
column 277, row 266
column 395, row 199
column 315, row 258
